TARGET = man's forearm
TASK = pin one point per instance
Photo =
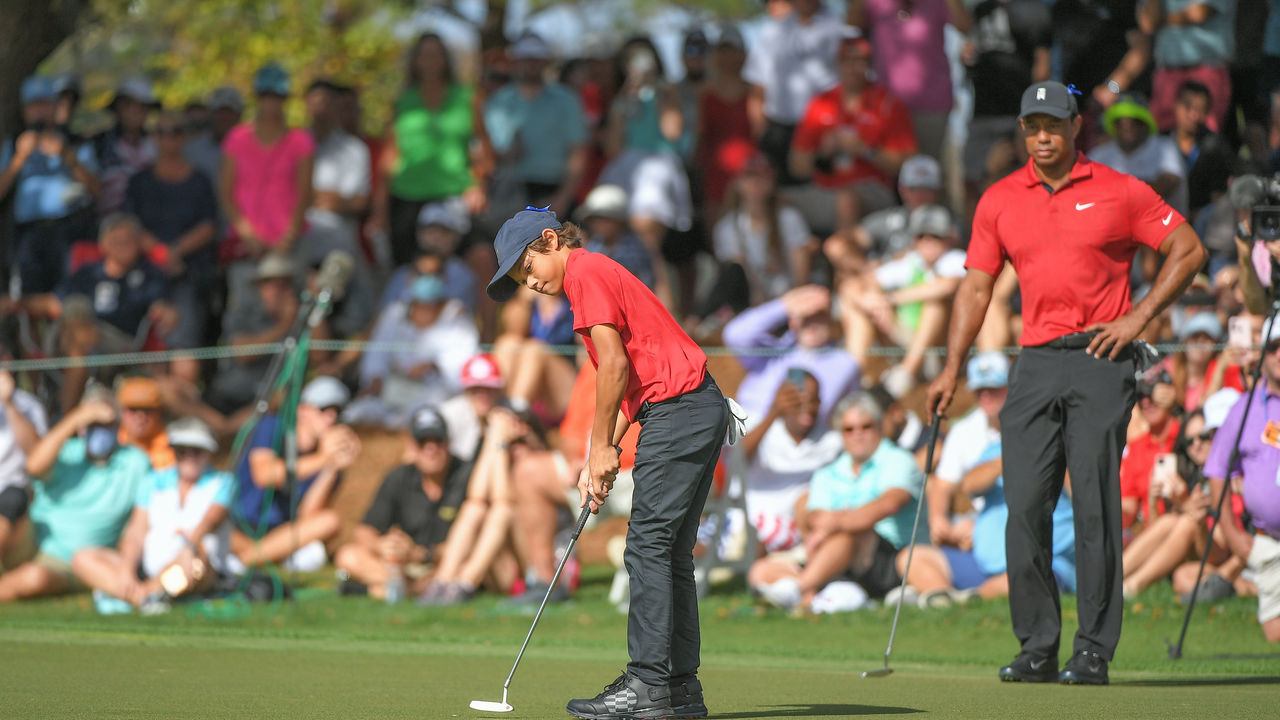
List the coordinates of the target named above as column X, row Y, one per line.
column 968, row 312
column 1184, row 259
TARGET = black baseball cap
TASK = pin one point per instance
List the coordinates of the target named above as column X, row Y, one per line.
column 513, row 237
column 1048, row 98
column 427, row 423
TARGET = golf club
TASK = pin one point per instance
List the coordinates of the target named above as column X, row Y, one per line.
column 902, row 589
column 486, row 706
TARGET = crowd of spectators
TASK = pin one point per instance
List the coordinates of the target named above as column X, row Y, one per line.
column 800, row 198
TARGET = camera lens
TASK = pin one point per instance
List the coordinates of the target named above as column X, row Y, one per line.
column 1266, row 223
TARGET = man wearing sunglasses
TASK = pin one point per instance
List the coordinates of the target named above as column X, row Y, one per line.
column 1259, row 465
column 1071, row 228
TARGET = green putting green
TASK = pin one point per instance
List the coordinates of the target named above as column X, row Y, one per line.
column 326, row 657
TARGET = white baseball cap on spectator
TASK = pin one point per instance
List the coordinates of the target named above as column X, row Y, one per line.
column 325, row 392
column 191, row 433
column 530, row 47
column 481, row 371
column 933, row 220
column 225, row 97
column 274, row 266
column 445, row 215
column 1202, row 323
column 920, row 171
column 1217, row 406
column 988, row 370
column 606, row 201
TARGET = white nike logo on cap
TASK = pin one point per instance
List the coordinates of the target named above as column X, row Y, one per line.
column 1085, row 206
column 1167, row 218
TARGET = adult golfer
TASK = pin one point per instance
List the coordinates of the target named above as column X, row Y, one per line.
column 652, row 372
column 1070, row 227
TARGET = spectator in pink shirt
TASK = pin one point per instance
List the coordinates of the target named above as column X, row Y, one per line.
column 265, row 182
column 911, row 60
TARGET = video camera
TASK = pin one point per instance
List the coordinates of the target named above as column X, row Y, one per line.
column 1261, row 196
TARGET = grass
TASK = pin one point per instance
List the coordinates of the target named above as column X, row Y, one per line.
column 322, row 656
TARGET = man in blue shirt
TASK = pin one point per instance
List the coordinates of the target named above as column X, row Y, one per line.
column 859, row 513
column 269, row 527
column 537, row 129
column 53, row 184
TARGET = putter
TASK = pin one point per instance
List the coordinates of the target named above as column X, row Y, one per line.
column 902, row 589
column 487, row 706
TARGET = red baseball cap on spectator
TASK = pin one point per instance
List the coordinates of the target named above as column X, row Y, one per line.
column 481, row 371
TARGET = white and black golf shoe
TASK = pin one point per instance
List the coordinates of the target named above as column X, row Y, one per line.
column 627, row 698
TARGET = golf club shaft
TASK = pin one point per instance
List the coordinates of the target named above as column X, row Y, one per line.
column 582, row 521
column 915, row 527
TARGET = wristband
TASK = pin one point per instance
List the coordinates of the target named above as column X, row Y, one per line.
column 617, row 449
column 1113, row 86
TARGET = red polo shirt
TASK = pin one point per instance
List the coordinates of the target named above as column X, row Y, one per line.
column 880, row 119
column 665, row 362
column 1072, row 249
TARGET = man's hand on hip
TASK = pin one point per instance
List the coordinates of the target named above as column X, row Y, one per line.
column 1114, row 336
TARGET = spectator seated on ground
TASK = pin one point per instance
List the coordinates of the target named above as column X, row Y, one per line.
column 177, row 539
column 268, row 529
column 883, row 234
column 236, row 382
column 970, row 552
column 478, row 550
column 1138, row 150
column 433, row 338
column 1257, row 465
column 906, row 301
column 605, row 217
column 1152, row 433
column 405, row 528
column 1176, row 510
column 852, row 142
column 85, row 484
column 537, row 375
column 22, row 423
column 467, row 413
column 783, row 450
column 142, row 420
column 547, row 496
column 763, row 245
column 859, row 514
column 1223, row 570
column 805, row 315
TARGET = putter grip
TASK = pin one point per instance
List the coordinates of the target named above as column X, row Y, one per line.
column 582, row 520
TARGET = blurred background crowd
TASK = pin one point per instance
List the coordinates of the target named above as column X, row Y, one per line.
column 796, row 187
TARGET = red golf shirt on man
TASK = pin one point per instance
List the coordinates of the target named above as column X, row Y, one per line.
column 664, row 361
column 1072, row 249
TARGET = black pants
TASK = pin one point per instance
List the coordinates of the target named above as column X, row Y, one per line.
column 680, row 441
column 1067, row 411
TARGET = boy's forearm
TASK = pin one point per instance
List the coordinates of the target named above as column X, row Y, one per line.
column 611, row 384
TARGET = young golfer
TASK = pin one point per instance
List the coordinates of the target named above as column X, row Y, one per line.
column 650, row 370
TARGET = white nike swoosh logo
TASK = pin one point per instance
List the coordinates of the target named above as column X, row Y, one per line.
column 1167, row 218
column 1037, row 665
column 1085, row 206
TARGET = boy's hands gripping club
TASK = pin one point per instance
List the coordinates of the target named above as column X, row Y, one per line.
column 597, row 476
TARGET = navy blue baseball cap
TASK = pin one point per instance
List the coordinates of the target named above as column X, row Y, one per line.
column 514, row 236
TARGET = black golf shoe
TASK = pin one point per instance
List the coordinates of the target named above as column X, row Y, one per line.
column 1085, row 668
column 686, row 698
column 627, row 698
column 1028, row 668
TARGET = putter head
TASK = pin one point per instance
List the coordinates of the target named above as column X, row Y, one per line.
column 487, row 706
column 882, row 672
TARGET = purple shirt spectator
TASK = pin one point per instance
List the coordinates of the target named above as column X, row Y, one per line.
column 910, row 56
column 837, row 372
column 1259, row 462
